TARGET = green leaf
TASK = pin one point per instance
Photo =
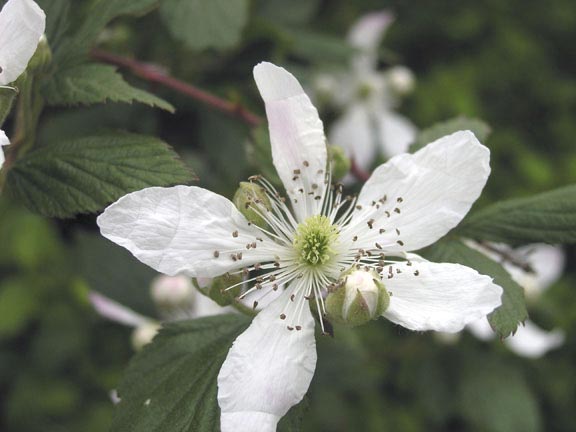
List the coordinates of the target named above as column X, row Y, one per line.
column 201, row 24
column 549, row 217
column 7, row 95
column 171, row 385
column 428, row 135
column 88, row 84
column 83, row 175
column 496, row 397
column 100, row 13
column 505, row 319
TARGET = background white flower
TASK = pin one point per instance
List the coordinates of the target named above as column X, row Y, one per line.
column 312, row 236
column 174, row 296
column 369, row 125
column 535, row 268
column 22, row 24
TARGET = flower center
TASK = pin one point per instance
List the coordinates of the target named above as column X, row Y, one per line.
column 314, row 240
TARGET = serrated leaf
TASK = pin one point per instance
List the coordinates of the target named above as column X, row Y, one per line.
column 203, row 24
column 505, row 319
column 549, row 217
column 92, row 83
column 171, row 385
column 101, row 12
column 85, row 174
column 428, row 135
column 7, row 95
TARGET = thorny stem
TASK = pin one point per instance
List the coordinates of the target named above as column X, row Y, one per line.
column 153, row 73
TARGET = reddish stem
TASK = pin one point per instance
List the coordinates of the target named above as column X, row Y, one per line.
column 153, row 73
column 358, row 172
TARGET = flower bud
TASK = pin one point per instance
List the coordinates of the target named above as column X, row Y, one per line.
column 400, row 80
column 359, row 298
column 339, row 162
column 143, row 334
column 217, row 288
column 172, row 291
column 251, row 200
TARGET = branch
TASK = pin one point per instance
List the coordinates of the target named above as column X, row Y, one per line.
column 155, row 74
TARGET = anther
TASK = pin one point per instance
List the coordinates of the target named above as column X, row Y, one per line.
column 397, row 231
column 382, row 231
column 354, row 238
column 306, row 163
column 399, row 199
column 296, row 171
column 216, row 254
column 235, row 234
column 282, row 316
column 397, row 210
column 292, row 297
column 370, row 223
column 298, row 328
column 400, row 242
column 378, row 245
column 416, row 272
column 254, row 305
column 290, row 328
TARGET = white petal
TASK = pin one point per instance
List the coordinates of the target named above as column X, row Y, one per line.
column 3, row 142
column 481, row 329
column 22, row 24
column 177, row 230
column 116, row 312
column 354, row 132
column 442, row 297
column 296, row 135
column 547, row 263
column 366, row 35
column 267, row 371
column 396, row 133
column 427, row 193
column 533, row 342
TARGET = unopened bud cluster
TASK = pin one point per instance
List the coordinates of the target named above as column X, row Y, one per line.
column 251, row 200
column 358, row 298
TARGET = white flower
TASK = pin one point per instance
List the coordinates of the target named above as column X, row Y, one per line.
column 21, row 26
column 314, row 235
column 176, row 299
column 535, row 268
column 369, row 125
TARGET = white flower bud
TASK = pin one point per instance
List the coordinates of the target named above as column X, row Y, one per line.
column 143, row 334
column 361, row 297
column 400, row 80
column 172, row 291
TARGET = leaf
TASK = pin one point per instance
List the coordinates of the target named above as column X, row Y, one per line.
column 85, row 174
column 428, row 135
column 505, row 319
column 171, row 385
column 201, row 24
column 88, row 84
column 113, row 271
column 549, row 217
column 98, row 16
column 7, row 95
column 496, row 397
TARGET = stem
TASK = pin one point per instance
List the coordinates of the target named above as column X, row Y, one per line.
column 358, row 172
column 153, row 73
column 506, row 256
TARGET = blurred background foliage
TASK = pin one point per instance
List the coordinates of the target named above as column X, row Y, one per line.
column 512, row 64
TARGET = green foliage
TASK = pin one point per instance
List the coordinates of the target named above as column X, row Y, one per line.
column 18, row 305
column 549, row 217
column 83, row 175
column 495, row 397
column 505, row 319
column 75, row 46
column 428, row 135
column 87, row 84
column 171, row 384
column 206, row 24
column 7, row 95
